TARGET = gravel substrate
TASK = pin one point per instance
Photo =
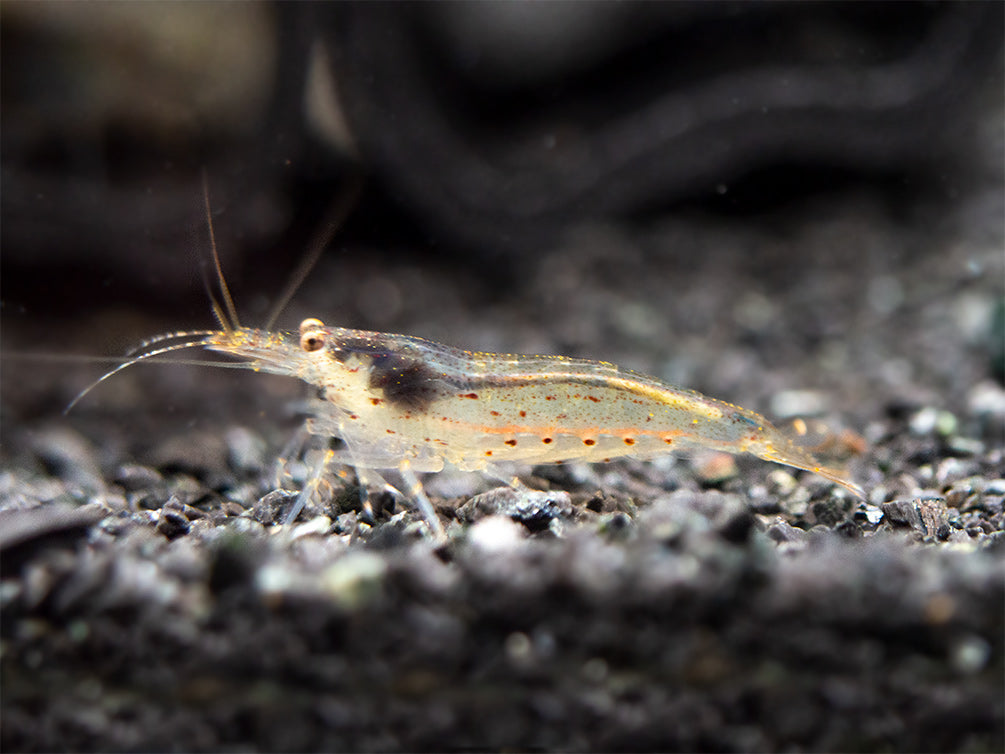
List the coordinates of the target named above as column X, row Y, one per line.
column 151, row 601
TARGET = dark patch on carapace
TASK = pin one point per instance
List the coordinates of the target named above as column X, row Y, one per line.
column 404, row 377
column 406, row 381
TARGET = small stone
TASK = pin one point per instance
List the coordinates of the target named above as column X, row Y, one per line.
column 971, row 654
column 781, row 482
column 797, row 505
column 965, row 446
column 318, row 525
column 930, row 419
column 716, row 468
column 995, row 487
column 615, row 524
column 346, row 523
column 495, row 534
column 785, row 532
column 791, row 403
column 848, row 530
column 172, row 524
column 150, row 500
column 70, row 456
column 828, row 512
column 953, row 469
column 901, row 514
column 932, row 512
column 132, row 477
column 535, row 509
column 230, row 508
column 270, row 507
column 355, row 579
column 870, row 513
column 987, row 399
column 946, row 423
column 766, row 506
column 243, row 526
column 924, row 421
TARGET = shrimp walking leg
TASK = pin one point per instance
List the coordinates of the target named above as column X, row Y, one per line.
column 293, row 449
column 310, row 486
column 419, row 496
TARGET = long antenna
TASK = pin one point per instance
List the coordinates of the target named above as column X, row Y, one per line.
column 334, row 218
column 231, row 311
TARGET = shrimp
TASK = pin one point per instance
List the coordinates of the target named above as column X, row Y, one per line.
column 403, row 403
column 408, row 404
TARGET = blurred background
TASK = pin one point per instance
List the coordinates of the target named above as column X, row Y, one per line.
column 748, row 199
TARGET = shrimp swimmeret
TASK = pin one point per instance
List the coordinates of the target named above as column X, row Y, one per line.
column 408, row 404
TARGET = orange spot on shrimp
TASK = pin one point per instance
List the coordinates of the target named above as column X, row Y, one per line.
column 376, row 401
column 511, row 443
column 589, row 442
column 523, row 414
column 488, row 452
column 629, row 441
column 593, row 398
column 546, row 440
column 494, row 413
column 468, row 395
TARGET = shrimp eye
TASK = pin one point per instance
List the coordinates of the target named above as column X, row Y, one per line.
column 312, row 340
column 311, row 324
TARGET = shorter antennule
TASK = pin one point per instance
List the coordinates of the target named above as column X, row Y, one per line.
column 143, row 345
column 195, row 338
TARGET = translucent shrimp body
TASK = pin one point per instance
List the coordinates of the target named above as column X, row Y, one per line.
column 405, row 403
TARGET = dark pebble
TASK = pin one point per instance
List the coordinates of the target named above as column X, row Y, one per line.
column 172, row 524
column 849, row 530
column 901, row 514
column 933, row 517
column 270, row 508
column 133, row 478
column 786, row 532
column 150, row 500
column 230, row 508
column 346, row 523
column 535, row 509
column 616, row 524
column 767, row 506
column 188, row 511
column 828, row 512
column 738, row 527
column 23, row 533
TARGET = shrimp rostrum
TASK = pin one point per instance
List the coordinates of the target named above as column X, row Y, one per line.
column 411, row 405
